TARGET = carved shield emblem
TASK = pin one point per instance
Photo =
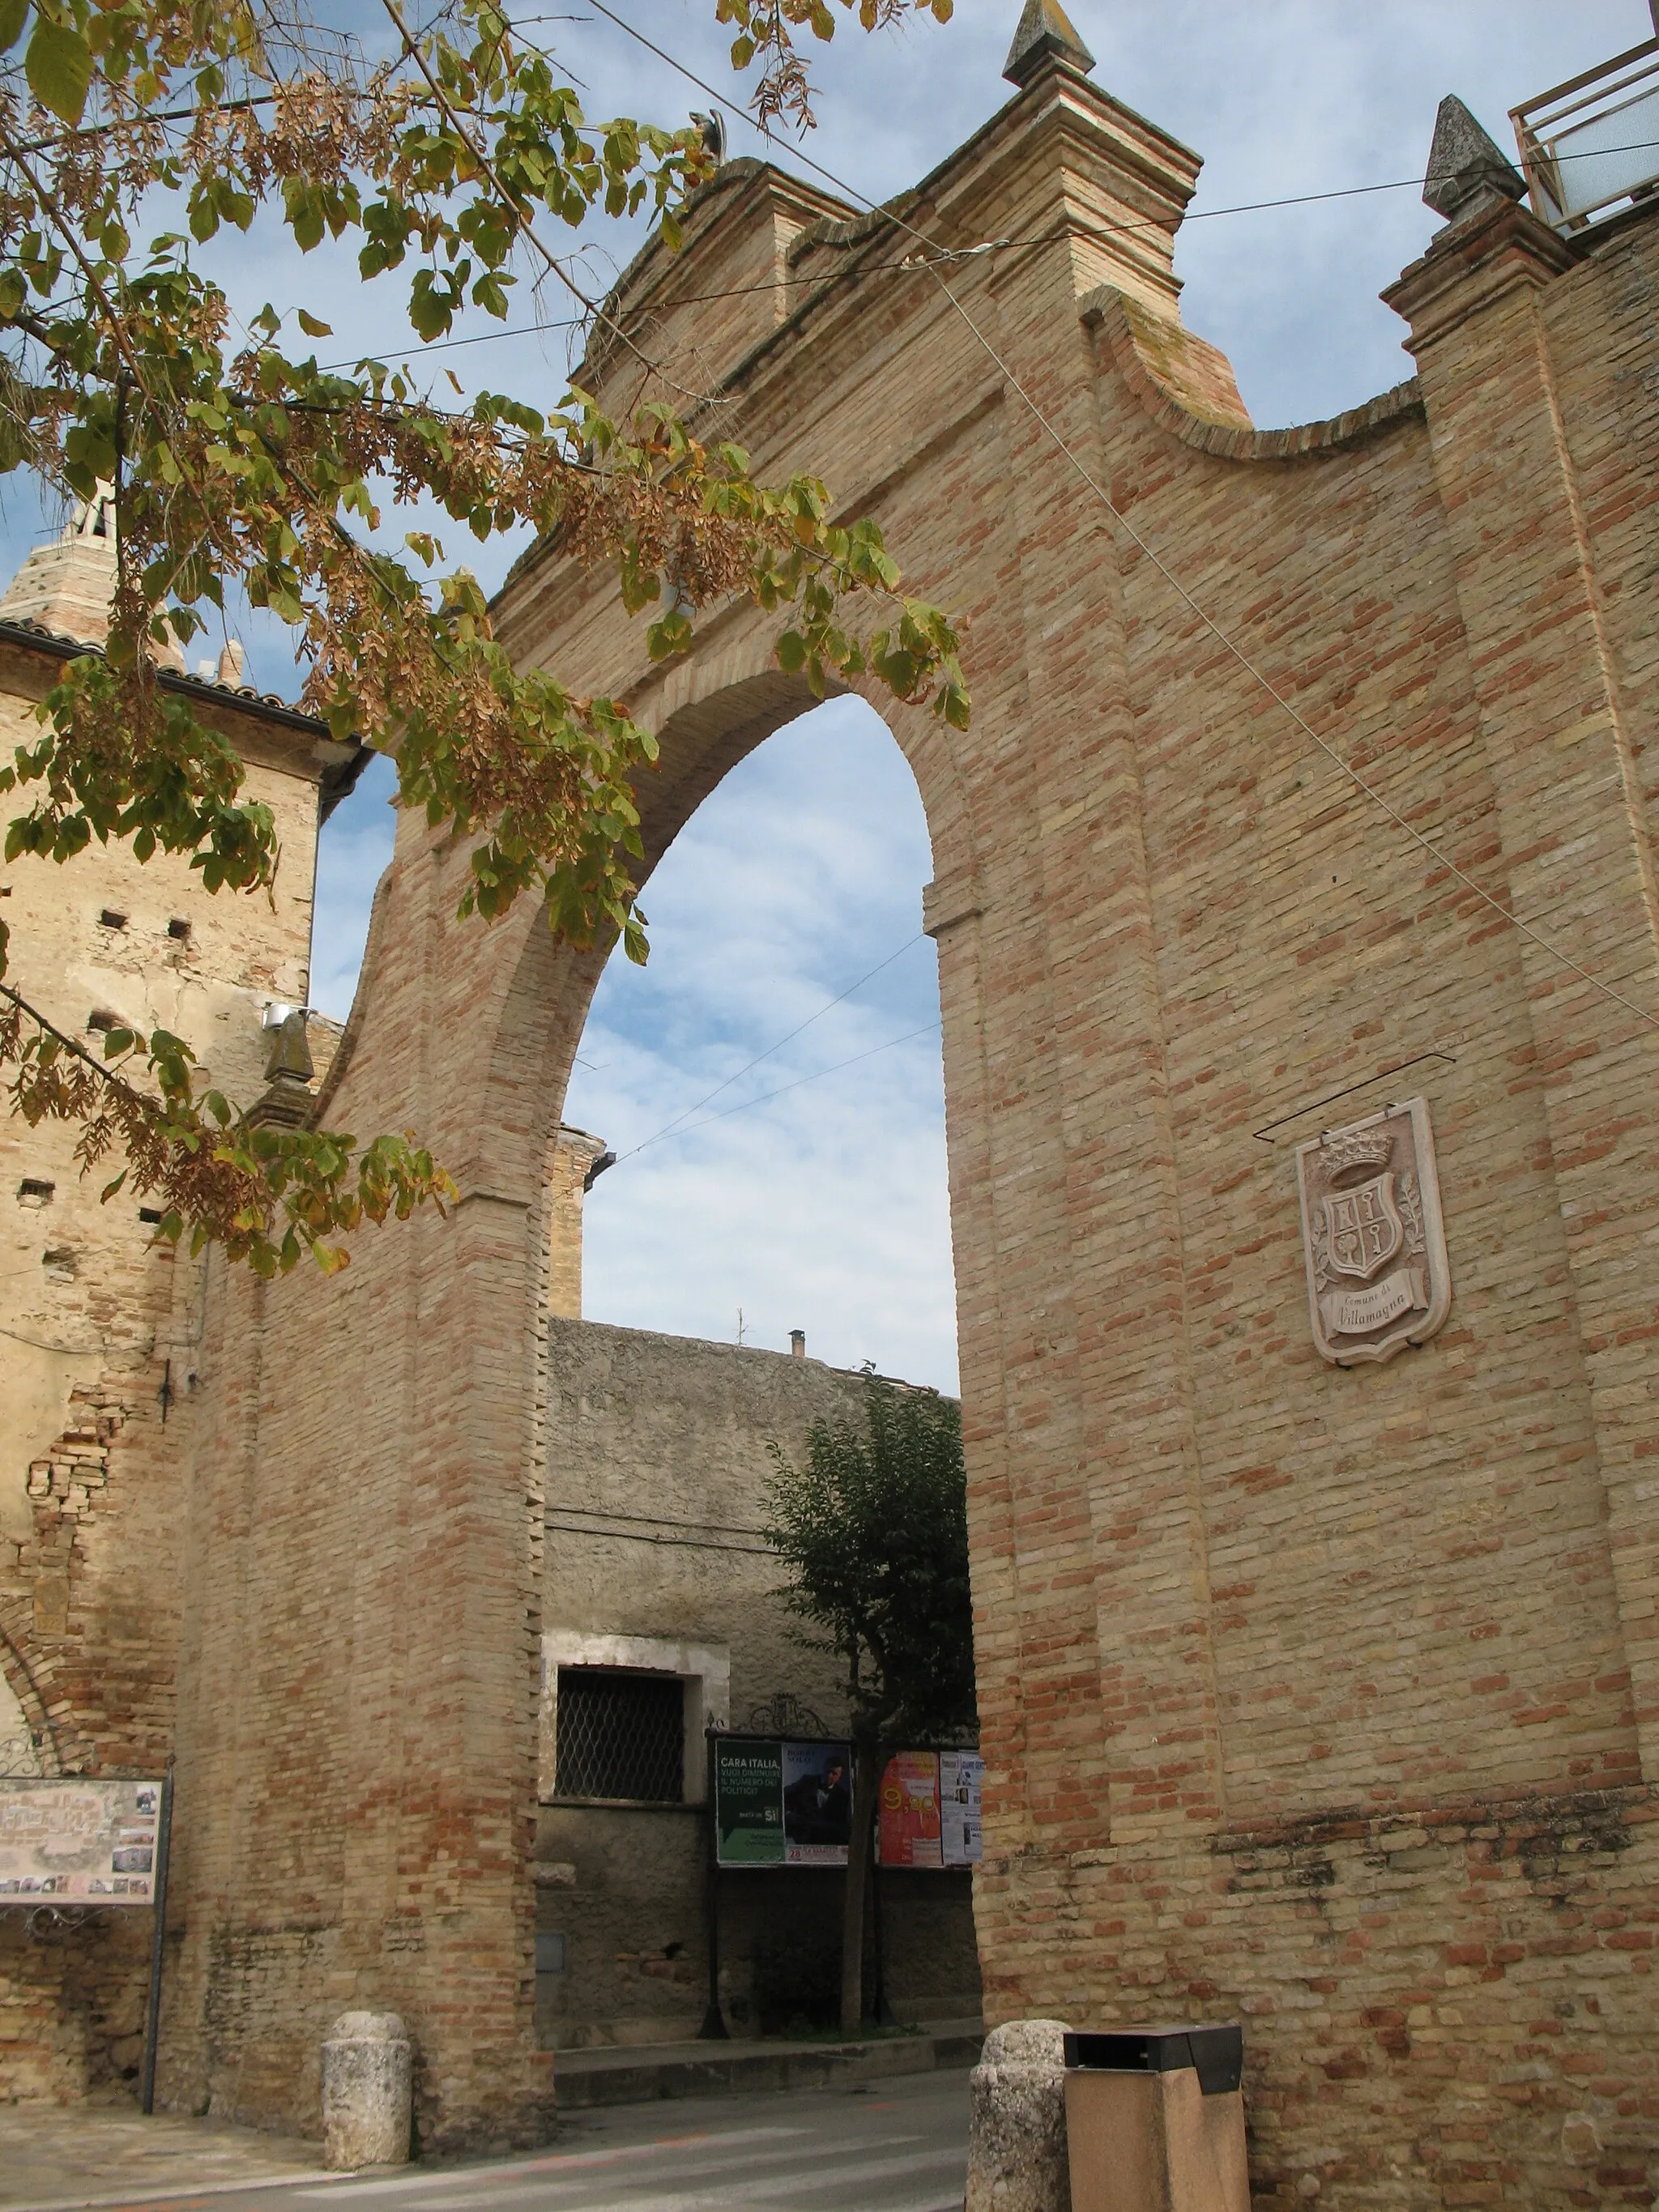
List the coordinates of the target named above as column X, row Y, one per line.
column 1373, row 1238
column 1363, row 1227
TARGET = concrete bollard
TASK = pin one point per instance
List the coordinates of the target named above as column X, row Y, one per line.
column 1017, row 2125
column 367, row 2091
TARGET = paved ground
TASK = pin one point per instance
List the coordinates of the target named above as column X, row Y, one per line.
column 898, row 2146
column 110, row 2153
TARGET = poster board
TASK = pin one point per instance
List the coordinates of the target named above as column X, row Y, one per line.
column 78, row 1842
column 817, row 1803
column 748, row 1803
column 929, row 1809
column 779, row 1803
column 961, row 1787
column 782, row 1803
column 908, row 1816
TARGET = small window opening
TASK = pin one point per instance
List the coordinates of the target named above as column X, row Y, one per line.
column 32, row 1192
column 178, row 927
column 621, row 1736
column 59, row 1264
column 109, row 920
column 150, row 1213
column 97, row 1019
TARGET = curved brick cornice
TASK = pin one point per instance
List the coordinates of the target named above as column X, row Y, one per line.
column 1176, row 379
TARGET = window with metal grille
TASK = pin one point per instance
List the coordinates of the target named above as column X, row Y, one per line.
column 621, row 1736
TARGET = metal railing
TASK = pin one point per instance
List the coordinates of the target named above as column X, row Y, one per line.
column 1591, row 144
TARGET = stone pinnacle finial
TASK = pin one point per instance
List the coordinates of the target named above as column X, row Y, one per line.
column 1045, row 30
column 288, row 1070
column 290, row 1050
column 1467, row 168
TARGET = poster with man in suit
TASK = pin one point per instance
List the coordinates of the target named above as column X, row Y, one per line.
column 817, row 1803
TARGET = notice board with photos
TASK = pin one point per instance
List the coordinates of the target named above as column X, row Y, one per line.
column 784, row 1803
column 78, row 1842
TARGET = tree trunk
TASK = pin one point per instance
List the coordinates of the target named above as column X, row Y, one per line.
column 866, row 1776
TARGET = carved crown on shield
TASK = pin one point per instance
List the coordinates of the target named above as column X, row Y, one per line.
column 1361, row 1148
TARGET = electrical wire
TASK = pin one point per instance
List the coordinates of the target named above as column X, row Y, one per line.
column 1099, row 233
column 1222, row 637
column 669, row 1126
column 816, row 1077
column 665, row 1136
column 676, row 1543
column 62, row 1351
column 662, row 1521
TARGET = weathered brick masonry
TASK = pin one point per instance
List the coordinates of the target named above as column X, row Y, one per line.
column 98, row 1323
column 1325, row 1696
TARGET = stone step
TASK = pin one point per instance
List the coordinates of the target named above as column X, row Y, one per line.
column 634, row 2074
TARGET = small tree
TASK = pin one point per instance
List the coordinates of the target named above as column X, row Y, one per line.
column 874, row 1531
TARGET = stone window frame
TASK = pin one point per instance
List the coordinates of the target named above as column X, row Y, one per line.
column 705, row 1669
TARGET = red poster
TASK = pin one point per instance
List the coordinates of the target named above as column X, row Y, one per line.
column 909, row 1830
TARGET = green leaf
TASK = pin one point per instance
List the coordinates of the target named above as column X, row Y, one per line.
column 13, row 14
column 312, row 328
column 58, row 66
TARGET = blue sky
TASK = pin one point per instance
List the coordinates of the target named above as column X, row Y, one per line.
column 825, row 1208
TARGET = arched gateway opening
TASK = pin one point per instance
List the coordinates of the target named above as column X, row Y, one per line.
column 770, row 1079
column 1290, row 1665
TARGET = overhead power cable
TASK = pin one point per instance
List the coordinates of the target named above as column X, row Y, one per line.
column 670, row 1128
column 914, row 264
column 641, row 1536
column 660, row 1520
column 816, row 1076
column 1222, row 638
column 62, row 1351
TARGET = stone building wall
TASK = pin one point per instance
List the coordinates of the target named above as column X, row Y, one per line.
column 1321, row 1697
column 657, row 1459
column 100, row 1326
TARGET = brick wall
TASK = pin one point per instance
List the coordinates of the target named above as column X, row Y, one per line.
column 1320, row 1697
column 101, row 1328
column 573, row 1155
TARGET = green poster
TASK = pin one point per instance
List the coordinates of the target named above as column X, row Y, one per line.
column 749, row 1803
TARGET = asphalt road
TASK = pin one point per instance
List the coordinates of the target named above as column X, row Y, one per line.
column 893, row 2146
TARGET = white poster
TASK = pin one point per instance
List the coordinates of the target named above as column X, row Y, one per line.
column 80, row 1842
column 961, row 1776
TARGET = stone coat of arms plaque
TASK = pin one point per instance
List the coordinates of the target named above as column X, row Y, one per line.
column 1372, row 1235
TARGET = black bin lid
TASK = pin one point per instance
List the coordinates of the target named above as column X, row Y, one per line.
column 1217, row 2053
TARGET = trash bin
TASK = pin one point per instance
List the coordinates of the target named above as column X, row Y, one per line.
column 1155, row 2121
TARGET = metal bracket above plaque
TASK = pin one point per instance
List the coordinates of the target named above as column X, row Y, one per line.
column 1373, row 1235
